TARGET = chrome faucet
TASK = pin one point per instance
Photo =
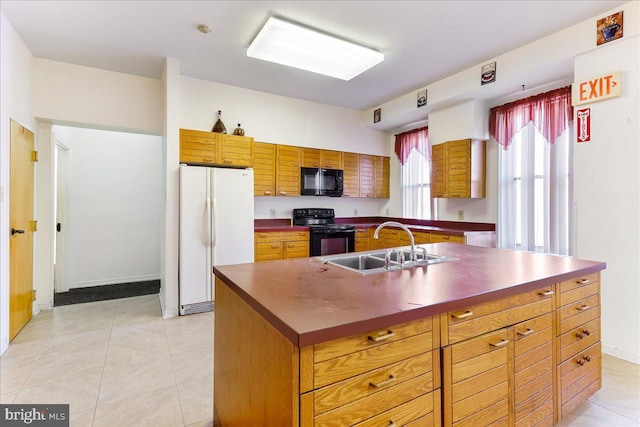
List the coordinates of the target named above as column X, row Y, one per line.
column 412, row 254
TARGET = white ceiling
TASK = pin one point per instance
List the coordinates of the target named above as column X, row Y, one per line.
column 423, row 41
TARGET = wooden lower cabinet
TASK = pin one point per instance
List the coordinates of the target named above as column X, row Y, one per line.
column 362, row 239
column 579, row 368
column 385, row 377
column 274, row 245
column 524, row 360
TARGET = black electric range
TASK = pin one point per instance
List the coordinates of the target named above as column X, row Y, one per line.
column 326, row 236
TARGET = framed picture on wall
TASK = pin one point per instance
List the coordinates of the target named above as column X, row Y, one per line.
column 377, row 115
column 609, row 28
column 422, row 98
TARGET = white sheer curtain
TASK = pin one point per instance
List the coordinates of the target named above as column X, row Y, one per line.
column 535, row 193
column 416, row 188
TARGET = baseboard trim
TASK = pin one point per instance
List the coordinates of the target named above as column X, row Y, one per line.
column 621, row 354
column 113, row 281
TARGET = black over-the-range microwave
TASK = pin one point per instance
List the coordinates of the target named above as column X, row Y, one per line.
column 321, row 182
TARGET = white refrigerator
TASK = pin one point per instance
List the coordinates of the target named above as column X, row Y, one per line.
column 216, row 228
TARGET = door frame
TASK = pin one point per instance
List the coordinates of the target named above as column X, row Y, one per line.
column 60, row 187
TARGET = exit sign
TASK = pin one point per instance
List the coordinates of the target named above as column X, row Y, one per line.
column 597, row 89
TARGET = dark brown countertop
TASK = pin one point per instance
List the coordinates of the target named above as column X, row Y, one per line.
column 450, row 227
column 310, row 302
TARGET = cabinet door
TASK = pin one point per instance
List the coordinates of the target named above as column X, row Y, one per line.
column 438, row 170
column 288, row 170
column 331, row 159
column 475, row 380
column 199, row 147
column 367, row 178
column 236, row 151
column 264, row 169
column 311, row 158
column 295, row 249
column 351, row 164
column 362, row 239
column 268, row 251
column 382, row 172
column 440, row 237
column 458, row 169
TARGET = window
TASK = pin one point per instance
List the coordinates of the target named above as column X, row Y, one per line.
column 413, row 151
column 535, row 173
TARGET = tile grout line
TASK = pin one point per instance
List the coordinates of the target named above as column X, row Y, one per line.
column 104, row 366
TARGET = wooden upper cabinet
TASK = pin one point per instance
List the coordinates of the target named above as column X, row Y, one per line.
column 458, row 169
column 438, row 171
column 288, row 163
column 264, row 169
column 311, row 158
column 332, row 159
column 317, row 158
column 367, row 176
column 351, row 168
column 215, row 149
column 236, row 151
column 382, row 175
column 199, row 147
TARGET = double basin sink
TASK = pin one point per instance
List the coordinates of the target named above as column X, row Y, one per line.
column 374, row 261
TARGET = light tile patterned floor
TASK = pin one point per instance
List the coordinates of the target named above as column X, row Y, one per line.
column 118, row 363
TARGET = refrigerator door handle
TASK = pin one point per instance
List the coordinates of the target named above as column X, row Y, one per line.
column 213, row 222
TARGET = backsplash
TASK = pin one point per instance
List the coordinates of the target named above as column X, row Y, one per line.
column 343, row 206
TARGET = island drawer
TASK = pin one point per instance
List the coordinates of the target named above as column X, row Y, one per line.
column 348, row 365
column 579, row 377
column 579, row 312
column 570, row 297
column 419, row 411
column 358, row 342
column 490, row 316
column 375, row 381
column 280, row 236
column 388, row 399
column 578, row 339
column 578, row 282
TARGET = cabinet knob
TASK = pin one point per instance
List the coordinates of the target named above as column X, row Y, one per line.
column 267, row 193
column 283, row 193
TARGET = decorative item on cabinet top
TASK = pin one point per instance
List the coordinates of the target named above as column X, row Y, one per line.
column 238, row 131
column 219, row 127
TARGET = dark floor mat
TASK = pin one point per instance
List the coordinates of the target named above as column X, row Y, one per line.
column 106, row 292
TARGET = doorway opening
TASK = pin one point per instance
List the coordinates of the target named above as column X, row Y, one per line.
column 108, row 200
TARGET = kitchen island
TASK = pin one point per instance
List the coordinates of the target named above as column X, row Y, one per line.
column 493, row 336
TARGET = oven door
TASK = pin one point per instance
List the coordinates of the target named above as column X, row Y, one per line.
column 328, row 243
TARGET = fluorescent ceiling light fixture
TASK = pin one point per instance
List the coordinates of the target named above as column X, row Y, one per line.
column 289, row 44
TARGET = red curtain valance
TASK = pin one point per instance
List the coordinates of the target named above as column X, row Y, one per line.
column 550, row 112
column 407, row 141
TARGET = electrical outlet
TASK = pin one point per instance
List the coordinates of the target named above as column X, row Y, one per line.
column 272, row 213
column 387, row 212
column 355, row 212
column 461, row 214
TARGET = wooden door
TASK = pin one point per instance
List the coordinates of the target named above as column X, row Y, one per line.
column 21, row 229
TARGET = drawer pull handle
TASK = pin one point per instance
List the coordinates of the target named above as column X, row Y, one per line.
column 582, row 281
column 545, row 293
column 262, row 235
column 283, row 193
column 464, row 315
column 392, row 423
column 290, row 245
column 526, row 333
column 584, row 360
column 583, row 307
column 582, row 334
column 381, row 336
column 228, row 161
column 383, row 383
column 275, row 246
column 267, row 193
column 499, row 344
